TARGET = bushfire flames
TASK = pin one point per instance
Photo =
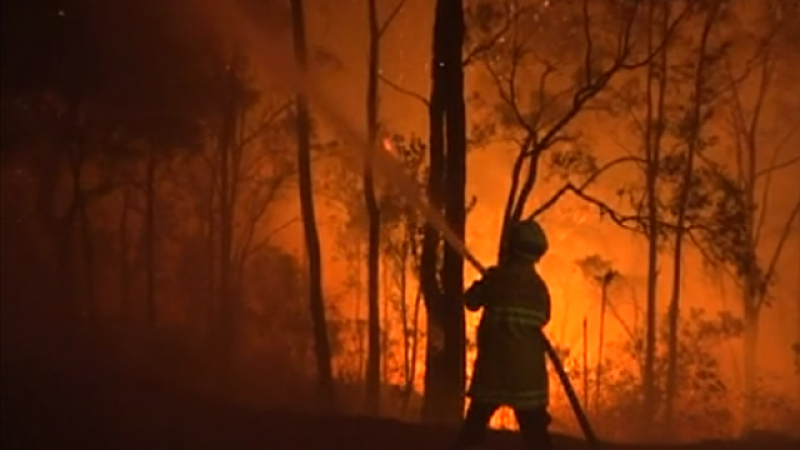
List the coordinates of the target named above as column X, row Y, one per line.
column 155, row 187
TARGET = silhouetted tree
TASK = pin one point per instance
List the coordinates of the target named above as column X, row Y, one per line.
column 694, row 138
column 736, row 234
column 443, row 280
column 82, row 75
column 316, row 300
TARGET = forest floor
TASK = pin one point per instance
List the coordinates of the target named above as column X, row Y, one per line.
column 93, row 410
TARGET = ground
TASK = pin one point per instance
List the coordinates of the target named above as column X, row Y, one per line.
column 91, row 409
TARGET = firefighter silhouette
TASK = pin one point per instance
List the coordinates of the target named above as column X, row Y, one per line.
column 510, row 368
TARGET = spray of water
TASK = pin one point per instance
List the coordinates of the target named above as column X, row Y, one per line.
column 271, row 46
column 273, row 50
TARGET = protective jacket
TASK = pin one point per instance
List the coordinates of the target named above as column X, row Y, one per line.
column 510, row 368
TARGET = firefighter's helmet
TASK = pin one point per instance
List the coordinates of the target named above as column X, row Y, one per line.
column 527, row 240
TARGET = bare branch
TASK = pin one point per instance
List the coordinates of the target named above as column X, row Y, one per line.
column 508, row 96
column 785, row 233
column 563, row 138
column 263, row 242
column 265, row 124
column 769, row 171
column 491, row 42
column 587, row 34
column 627, row 221
column 393, row 15
column 543, row 103
column 620, row 219
column 758, row 108
column 404, row 91
column 660, row 47
column 258, row 207
column 738, row 121
column 781, row 165
column 516, row 170
column 527, row 186
column 710, row 258
column 630, row 111
column 552, row 201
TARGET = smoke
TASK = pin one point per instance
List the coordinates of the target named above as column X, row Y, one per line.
column 265, row 31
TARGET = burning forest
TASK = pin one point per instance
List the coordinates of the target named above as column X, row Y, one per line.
column 252, row 223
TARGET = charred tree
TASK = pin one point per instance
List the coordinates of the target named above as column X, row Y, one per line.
column 316, row 300
column 442, row 281
column 373, row 375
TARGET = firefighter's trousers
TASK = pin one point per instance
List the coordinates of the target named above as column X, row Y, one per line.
column 533, row 425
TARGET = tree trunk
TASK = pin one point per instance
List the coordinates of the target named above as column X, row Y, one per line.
column 753, row 277
column 404, row 319
column 373, row 214
column 70, row 304
column 654, row 133
column 359, row 298
column 226, row 300
column 403, row 295
column 386, row 332
column 79, row 198
column 67, row 311
column 316, row 300
column 752, row 314
column 125, row 272
column 445, row 374
column 431, row 242
column 150, row 241
column 672, row 336
column 455, row 203
column 212, row 299
column 598, row 371
column 586, row 363
column 693, row 141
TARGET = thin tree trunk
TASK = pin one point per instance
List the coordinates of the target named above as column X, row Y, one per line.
column 212, row 305
column 373, row 214
column 404, row 306
column 412, row 378
column 386, row 331
column 60, row 228
column 359, row 323
column 600, row 342
column 693, row 142
column 150, row 241
column 126, row 298
column 752, row 279
column 586, row 362
column 751, row 309
column 87, row 249
column 654, row 132
column 750, row 342
column 63, row 233
column 316, row 301
column 226, row 300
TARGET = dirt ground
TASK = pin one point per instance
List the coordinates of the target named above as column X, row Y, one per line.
column 92, row 410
